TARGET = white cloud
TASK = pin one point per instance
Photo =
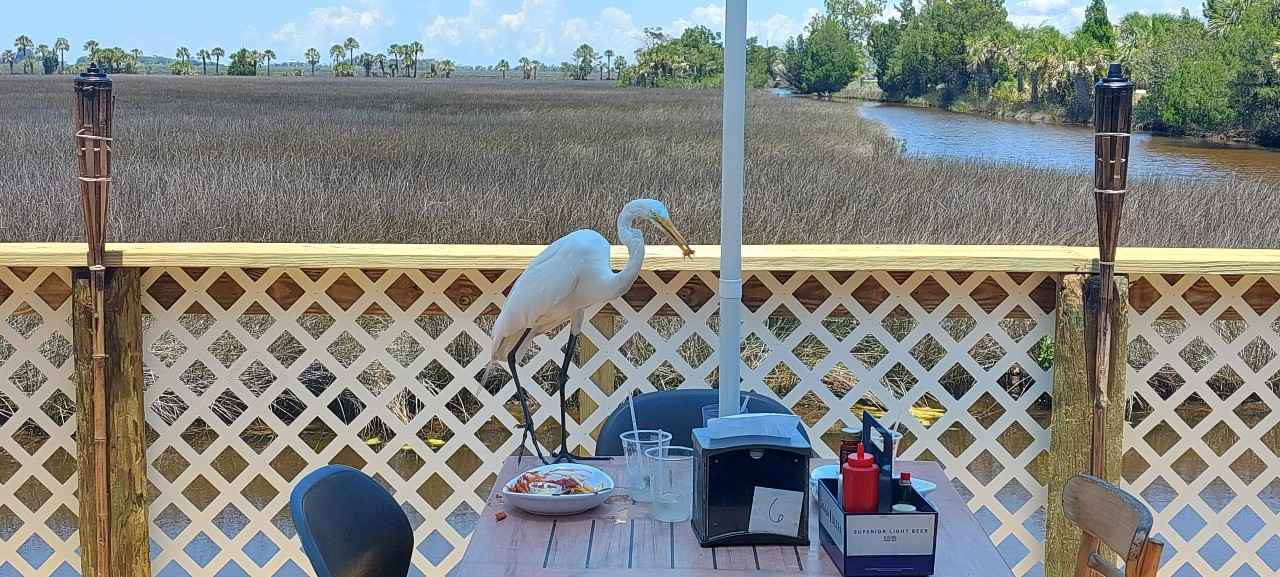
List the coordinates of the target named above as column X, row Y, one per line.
column 1045, row 6
column 1063, row 14
column 331, row 24
column 456, row 30
column 711, row 16
column 549, row 30
column 613, row 29
column 532, row 28
column 775, row 30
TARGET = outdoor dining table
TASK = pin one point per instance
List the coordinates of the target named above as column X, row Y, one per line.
column 620, row 538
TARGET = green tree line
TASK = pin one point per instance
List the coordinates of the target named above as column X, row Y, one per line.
column 1215, row 74
column 695, row 58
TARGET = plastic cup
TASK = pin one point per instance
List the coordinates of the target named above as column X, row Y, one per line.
column 672, row 483
column 639, row 474
column 710, row 412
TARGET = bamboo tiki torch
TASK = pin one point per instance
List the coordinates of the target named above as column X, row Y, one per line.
column 92, row 116
column 1113, row 124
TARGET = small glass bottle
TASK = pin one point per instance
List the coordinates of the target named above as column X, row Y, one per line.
column 903, row 494
column 849, row 444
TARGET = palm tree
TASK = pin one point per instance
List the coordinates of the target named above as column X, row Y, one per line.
column 619, row 62
column 393, row 59
column 43, row 51
column 393, row 52
column 411, row 51
column 534, row 65
column 983, row 56
column 446, row 67
column 410, row 62
column 136, row 55
column 381, row 60
column 608, row 62
column 313, row 58
column 23, row 44
column 203, row 55
column 10, row 57
column 336, row 53
column 1222, row 15
column 1081, row 58
column 503, row 67
column 91, row 48
column 183, row 53
column 62, row 45
column 351, row 44
column 217, row 54
column 269, row 55
column 525, row 66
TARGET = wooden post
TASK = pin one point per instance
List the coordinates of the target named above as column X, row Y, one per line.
column 126, row 441
column 1073, row 408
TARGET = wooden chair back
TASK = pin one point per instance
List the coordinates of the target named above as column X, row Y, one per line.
column 1110, row 516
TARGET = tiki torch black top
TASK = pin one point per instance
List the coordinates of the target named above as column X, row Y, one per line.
column 92, row 112
column 1113, row 123
column 92, row 80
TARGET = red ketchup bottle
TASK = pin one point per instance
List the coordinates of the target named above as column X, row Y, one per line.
column 860, row 483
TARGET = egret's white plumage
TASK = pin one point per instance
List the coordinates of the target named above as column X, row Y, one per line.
column 573, row 274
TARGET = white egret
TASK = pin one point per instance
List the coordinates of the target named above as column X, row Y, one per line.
column 568, row 277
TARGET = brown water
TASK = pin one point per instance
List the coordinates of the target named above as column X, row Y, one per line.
column 938, row 133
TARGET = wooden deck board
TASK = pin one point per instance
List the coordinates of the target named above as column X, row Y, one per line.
column 1030, row 258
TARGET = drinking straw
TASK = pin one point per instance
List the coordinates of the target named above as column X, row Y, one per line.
column 635, row 428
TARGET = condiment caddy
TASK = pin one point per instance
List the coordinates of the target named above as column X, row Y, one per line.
column 871, row 522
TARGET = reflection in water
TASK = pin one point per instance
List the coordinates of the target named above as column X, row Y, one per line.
column 933, row 132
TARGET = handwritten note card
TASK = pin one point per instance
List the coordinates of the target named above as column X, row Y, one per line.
column 776, row 511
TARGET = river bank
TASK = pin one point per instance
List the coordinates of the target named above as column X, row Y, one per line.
column 867, row 91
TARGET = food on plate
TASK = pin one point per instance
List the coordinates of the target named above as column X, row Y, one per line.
column 551, row 483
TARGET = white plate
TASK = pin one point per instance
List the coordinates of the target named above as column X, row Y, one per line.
column 567, row 504
column 921, row 486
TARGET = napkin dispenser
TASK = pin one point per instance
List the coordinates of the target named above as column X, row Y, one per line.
column 751, row 489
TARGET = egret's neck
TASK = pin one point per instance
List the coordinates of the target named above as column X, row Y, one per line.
column 633, row 239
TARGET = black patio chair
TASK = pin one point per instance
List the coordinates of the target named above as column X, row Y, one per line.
column 350, row 526
column 678, row 412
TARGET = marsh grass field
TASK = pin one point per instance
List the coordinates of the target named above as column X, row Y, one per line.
column 480, row 160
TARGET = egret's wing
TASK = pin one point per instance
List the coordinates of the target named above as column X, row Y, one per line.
column 544, row 292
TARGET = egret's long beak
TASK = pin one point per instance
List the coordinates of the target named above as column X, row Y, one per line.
column 675, row 235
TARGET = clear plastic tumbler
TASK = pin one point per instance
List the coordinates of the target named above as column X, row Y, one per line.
column 672, row 483
column 634, row 444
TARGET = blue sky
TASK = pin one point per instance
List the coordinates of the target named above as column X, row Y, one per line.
column 468, row 31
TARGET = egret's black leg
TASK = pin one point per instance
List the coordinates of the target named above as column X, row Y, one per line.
column 570, row 355
column 522, row 396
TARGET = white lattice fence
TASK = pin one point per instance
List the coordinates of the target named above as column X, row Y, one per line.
column 256, row 376
column 1204, row 437
column 39, row 528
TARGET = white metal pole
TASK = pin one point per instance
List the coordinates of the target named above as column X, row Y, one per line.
column 731, row 186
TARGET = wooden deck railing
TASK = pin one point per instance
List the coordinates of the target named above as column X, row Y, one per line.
column 263, row 360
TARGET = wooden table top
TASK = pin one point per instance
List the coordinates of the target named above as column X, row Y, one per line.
column 620, row 538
